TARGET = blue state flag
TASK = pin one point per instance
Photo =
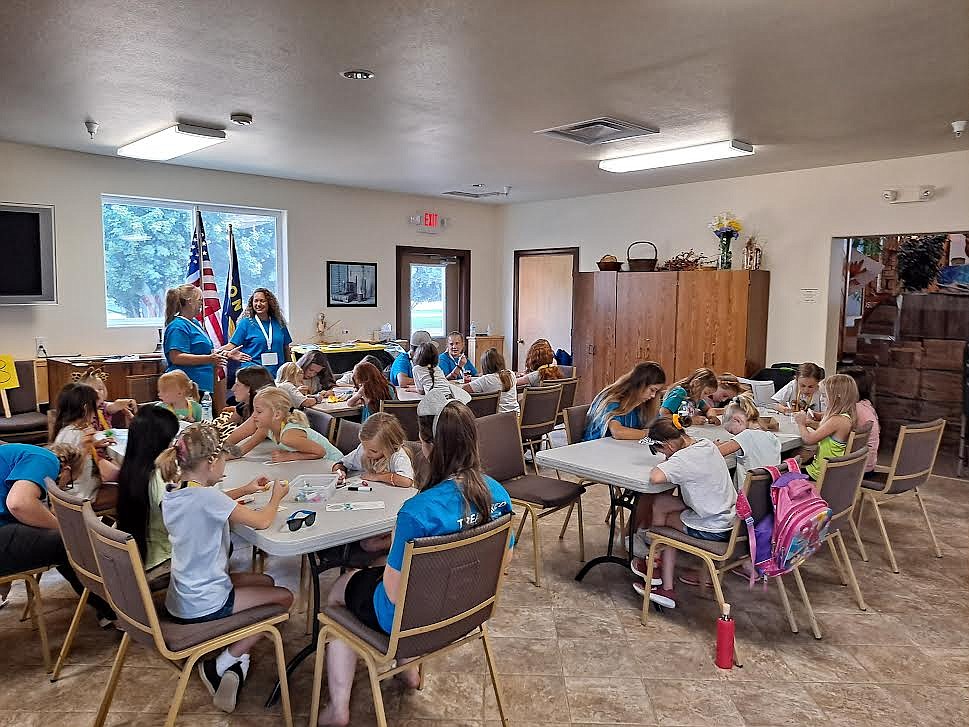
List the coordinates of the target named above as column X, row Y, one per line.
column 232, row 307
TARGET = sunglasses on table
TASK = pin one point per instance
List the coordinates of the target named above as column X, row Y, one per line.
column 300, row 518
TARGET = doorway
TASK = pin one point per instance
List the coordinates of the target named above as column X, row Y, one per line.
column 433, row 291
column 543, row 299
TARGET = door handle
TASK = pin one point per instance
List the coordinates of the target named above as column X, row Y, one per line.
column 521, row 341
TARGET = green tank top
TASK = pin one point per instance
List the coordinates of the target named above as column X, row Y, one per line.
column 828, row 448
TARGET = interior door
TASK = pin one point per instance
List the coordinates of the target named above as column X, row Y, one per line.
column 544, row 301
column 711, row 320
column 646, row 307
column 594, row 333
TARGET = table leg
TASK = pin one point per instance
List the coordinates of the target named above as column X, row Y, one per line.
column 625, row 499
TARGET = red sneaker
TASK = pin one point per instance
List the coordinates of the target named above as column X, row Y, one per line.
column 659, row 596
column 638, row 566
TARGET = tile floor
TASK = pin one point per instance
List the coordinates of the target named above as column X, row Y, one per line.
column 576, row 654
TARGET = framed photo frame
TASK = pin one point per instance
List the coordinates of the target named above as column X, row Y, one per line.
column 351, row 284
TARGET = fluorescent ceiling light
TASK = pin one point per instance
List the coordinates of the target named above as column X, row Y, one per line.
column 673, row 157
column 172, row 142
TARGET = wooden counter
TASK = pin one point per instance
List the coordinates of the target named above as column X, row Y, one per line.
column 126, row 378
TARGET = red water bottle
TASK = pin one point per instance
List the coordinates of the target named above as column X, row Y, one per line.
column 725, row 636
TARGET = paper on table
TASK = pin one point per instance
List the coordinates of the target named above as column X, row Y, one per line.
column 346, row 506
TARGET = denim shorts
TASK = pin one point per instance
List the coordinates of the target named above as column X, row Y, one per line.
column 706, row 535
column 223, row 612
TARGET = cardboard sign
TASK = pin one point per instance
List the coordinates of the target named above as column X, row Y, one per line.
column 8, row 373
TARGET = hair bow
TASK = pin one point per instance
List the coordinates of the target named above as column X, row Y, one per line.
column 677, row 423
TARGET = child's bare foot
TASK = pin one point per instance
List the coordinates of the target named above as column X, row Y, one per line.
column 332, row 717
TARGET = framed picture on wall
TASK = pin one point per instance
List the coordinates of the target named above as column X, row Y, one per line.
column 352, row 285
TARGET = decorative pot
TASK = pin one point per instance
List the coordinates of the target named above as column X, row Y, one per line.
column 726, row 256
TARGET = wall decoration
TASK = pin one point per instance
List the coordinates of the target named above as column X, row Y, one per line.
column 351, row 285
column 918, row 261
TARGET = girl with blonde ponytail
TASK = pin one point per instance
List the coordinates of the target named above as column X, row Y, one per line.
column 289, row 429
column 752, row 444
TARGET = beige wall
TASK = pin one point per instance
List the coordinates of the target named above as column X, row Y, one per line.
column 797, row 212
column 324, row 222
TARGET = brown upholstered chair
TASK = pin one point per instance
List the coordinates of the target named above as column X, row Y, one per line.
column 858, row 438
column 484, row 405
column 568, row 398
column 449, row 588
column 574, row 418
column 911, row 467
column 839, row 485
column 26, row 425
column 124, row 582
column 406, row 413
column 347, row 436
column 35, row 606
column 502, row 459
column 539, row 414
column 322, row 422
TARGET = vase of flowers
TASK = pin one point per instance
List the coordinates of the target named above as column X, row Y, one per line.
column 727, row 228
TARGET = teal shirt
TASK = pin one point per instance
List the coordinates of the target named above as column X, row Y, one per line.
column 330, row 452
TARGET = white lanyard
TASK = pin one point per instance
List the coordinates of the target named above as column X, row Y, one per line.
column 193, row 322
column 269, row 336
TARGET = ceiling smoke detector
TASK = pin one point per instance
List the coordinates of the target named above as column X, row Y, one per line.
column 358, row 74
column 241, row 119
column 601, row 130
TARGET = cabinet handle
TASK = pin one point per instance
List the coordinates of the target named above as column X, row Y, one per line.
column 588, row 349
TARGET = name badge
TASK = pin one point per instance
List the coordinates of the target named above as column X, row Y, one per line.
column 269, row 359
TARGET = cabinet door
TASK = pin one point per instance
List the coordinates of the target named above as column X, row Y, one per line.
column 646, row 320
column 729, row 350
column 711, row 321
column 594, row 332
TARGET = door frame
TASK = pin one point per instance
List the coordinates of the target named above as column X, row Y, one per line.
column 464, row 258
column 519, row 254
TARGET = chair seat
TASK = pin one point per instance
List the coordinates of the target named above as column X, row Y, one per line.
column 342, row 616
column 30, row 421
column 180, row 637
column 875, row 480
column 544, row 491
column 711, row 546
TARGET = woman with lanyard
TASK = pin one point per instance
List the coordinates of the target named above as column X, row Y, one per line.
column 187, row 346
column 262, row 333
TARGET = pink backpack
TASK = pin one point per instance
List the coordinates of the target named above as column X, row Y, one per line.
column 784, row 539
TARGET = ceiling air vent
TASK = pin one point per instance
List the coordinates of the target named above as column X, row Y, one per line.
column 505, row 191
column 602, row 130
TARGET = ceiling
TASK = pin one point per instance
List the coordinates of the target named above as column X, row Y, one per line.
column 461, row 86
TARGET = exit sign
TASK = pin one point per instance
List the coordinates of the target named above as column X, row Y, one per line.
column 428, row 222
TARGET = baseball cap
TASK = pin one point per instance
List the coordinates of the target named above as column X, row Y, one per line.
column 436, row 400
column 419, row 337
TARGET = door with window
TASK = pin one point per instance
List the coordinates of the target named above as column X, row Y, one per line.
column 433, row 291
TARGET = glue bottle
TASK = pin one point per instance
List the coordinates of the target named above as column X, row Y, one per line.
column 725, row 637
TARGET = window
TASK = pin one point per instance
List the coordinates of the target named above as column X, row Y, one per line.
column 428, row 299
column 146, row 252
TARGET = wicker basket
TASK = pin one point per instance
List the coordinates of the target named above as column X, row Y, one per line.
column 609, row 265
column 642, row 264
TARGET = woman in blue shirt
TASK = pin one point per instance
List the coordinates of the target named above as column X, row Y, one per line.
column 454, row 362
column 625, row 408
column 187, row 346
column 262, row 333
column 453, row 496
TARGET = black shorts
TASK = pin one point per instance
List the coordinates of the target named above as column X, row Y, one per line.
column 359, row 596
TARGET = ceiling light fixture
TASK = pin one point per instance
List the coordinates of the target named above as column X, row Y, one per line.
column 172, row 142
column 358, row 74
column 240, row 118
column 674, row 157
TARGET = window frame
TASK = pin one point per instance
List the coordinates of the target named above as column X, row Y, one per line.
column 282, row 267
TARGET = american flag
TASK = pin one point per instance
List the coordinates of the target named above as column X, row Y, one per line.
column 201, row 276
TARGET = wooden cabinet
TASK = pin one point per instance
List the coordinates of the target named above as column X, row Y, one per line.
column 684, row 321
column 477, row 345
column 124, row 378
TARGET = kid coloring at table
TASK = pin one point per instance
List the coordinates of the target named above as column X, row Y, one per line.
column 107, row 409
column 427, row 373
column 803, row 393
column 625, row 408
column 495, row 377
column 289, row 429
column 249, row 381
column 372, row 388
column 180, row 395
column 832, row 432
column 751, row 444
column 289, row 378
column 197, row 517
column 687, row 397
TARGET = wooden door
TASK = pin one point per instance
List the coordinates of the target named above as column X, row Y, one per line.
column 646, row 320
column 593, row 333
column 544, row 295
column 712, row 309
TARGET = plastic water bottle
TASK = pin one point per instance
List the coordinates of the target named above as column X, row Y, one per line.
column 685, row 409
column 473, row 330
column 206, row 407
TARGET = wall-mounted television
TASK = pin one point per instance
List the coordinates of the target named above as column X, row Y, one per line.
column 27, row 272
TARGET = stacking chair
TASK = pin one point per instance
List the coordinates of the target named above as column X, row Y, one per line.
column 568, row 398
column 858, row 438
column 839, row 485
column 449, row 586
column 912, row 463
column 119, row 563
column 321, row 421
column 406, row 413
column 539, row 414
column 574, row 418
column 35, row 606
column 484, row 405
column 347, row 436
column 502, row 459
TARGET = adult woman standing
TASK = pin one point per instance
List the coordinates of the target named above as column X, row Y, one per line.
column 187, row 346
column 262, row 333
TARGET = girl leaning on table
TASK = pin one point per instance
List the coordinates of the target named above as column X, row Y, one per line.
column 625, row 408
column 289, row 429
column 197, row 516
column 454, row 495
column 289, row 378
column 688, row 397
column 249, row 381
column 372, row 388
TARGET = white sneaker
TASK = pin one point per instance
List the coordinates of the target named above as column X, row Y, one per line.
column 640, row 544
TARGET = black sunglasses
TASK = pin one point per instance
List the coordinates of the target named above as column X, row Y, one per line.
column 300, row 518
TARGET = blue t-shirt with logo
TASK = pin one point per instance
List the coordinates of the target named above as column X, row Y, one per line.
column 439, row 510
column 24, row 462
column 189, row 337
column 250, row 338
column 402, row 365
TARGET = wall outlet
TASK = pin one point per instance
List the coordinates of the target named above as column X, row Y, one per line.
column 40, row 347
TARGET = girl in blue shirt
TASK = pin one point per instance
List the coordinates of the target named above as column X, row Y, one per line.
column 454, row 495
column 262, row 333
column 687, row 397
column 625, row 408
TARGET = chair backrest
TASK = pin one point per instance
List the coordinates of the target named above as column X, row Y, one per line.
column 779, row 377
column 568, row 393
column 347, row 436
column 124, row 581
column 500, row 446
column 406, row 413
column 914, row 457
column 839, row 484
column 858, row 438
column 484, row 405
column 450, row 586
column 567, row 370
column 322, row 422
column 69, row 510
column 24, row 398
column 762, row 391
column 540, row 408
column 758, row 491
column 575, row 418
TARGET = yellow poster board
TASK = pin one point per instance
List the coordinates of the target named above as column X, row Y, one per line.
column 8, row 380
